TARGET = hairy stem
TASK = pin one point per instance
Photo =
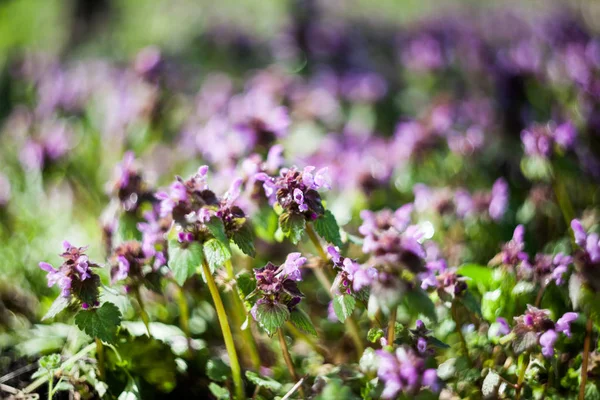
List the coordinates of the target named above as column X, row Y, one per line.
column 100, row 356
column 586, row 357
column 242, row 312
column 226, row 330
column 540, row 296
column 321, row 275
column 143, row 312
column 288, row 359
column 392, row 326
column 50, row 384
column 184, row 311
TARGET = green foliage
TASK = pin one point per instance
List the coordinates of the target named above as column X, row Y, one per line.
column 216, row 253
column 375, row 334
column 245, row 283
column 302, row 321
column 271, row 316
column 327, row 227
column 101, row 323
column 184, row 259
column 217, row 370
column 219, row 392
column 244, row 239
column 59, row 304
column 292, row 225
column 343, row 305
column 418, row 302
column 264, row 382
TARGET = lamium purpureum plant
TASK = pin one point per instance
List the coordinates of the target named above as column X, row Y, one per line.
column 410, row 213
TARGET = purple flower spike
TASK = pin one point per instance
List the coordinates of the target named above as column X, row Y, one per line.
column 292, row 265
column 579, row 232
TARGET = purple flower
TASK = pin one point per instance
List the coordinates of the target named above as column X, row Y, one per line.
column 564, row 323
column 317, row 181
column 499, row 201
column 404, row 371
column 579, row 232
column 503, row 328
column 122, row 271
column 547, row 340
column 291, row 267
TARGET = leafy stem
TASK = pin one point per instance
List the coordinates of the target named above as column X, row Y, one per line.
column 225, row 329
column 242, row 312
column 523, row 368
column 351, row 324
column 586, row 357
column 100, row 355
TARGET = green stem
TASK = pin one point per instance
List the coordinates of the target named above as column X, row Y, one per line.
column 184, row 312
column 521, row 379
column 100, row 355
column 322, row 277
column 242, row 313
column 307, row 339
column 288, row 360
column 226, row 330
column 392, row 326
column 562, row 197
column 50, row 384
column 540, row 296
column 586, row 357
column 143, row 313
column 460, row 335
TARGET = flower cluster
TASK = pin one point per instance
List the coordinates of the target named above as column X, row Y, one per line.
column 539, row 140
column 404, row 371
column 296, row 191
column 75, row 276
column 537, row 323
column 588, row 255
column 278, row 285
column 351, row 277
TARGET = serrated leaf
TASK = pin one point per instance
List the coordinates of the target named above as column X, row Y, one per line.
column 216, row 253
column 57, row 306
column 490, row 384
column 183, row 261
column 292, row 225
column 343, row 306
column 271, row 316
column 591, row 391
column 262, row 381
column 244, row 239
column 101, row 323
column 524, row 342
column 217, row 370
column 219, row 392
column 374, row 334
column 418, row 302
column 328, row 228
column 265, row 223
column 302, row 321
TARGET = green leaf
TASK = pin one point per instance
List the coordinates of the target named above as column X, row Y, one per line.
column 343, row 306
column 418, row 302
column 217, row 230
column 480, row 274
column 216, row 253
column 471, row 303
column 271, row 316
column 101, row 323
column 591, row 391
column 437, row 342
column 219, row 392
column 265, row 223
column 57, row 306
column 524, row 342
column 217, row 370
column 184, row 260
column 50, row 362
column 490, row 384
column 244, row 239
column 292, row 225
column 374, row 334
column 245, row 283
column 262, row 381
column 327, row 227
column 302, row 321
